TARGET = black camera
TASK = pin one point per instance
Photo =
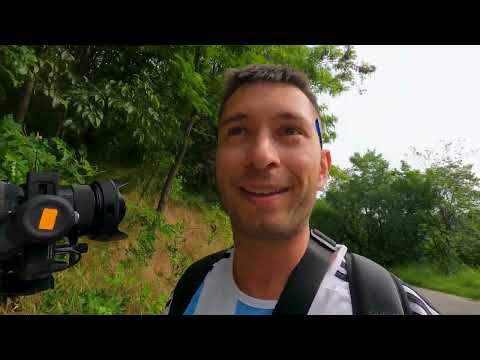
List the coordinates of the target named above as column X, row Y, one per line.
column 37, row 216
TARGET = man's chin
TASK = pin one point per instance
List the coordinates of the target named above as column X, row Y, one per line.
column 267, row 230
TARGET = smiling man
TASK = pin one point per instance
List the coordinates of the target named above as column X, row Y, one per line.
column 270, row 163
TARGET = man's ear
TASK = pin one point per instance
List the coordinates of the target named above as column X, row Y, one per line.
column 325, row 165
column 328, row 157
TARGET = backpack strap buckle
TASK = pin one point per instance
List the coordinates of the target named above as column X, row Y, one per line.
column 323, row 240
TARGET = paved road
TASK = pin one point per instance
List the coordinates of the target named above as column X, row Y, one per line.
column 448, row 304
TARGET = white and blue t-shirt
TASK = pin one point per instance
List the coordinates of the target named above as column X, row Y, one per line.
column 219, row 294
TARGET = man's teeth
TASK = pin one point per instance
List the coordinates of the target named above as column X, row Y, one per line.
column 264, row 192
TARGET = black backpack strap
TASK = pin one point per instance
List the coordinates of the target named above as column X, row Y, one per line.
column 190, row 281
column 373, row 290
column 304, row 281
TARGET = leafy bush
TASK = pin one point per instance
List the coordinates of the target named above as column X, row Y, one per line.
column 152, row 303
column 21, row 153
column 148, row 221
column 101, row 302
column 177, row 188
column 178, row 260
column 219, row 223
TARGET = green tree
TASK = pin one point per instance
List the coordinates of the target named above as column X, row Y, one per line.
column 452, row 225
column 376, row 210
column 397, row 216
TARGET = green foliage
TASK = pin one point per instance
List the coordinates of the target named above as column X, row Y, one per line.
column 72, row 296
column 20, row 153
column 151, row 224
column 451, row 229
column 213, row 215
column 219, row 224
column 148, row 221
column 153, row 304
column 113, row 293
column 177, row 188
column 468, row 246
column 101, row 302
column 178, row 260
column 18, row 63
column 401, row 216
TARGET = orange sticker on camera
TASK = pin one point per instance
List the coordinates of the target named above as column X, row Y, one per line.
column 48, row 218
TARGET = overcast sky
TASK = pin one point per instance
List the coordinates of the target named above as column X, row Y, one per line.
column 418, row 96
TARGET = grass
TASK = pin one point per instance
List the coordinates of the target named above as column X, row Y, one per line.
column 465, row 282
column 136, row 275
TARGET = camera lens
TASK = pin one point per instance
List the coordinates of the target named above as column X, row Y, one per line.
column 101, row 208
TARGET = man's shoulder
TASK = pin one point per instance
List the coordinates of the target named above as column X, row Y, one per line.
column 206, row 262
column 198, row 270
column 193, row 277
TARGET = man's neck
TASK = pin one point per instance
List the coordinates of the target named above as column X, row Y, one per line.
column 261, row 268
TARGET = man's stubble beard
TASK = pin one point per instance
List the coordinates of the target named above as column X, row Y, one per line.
column 246, row 226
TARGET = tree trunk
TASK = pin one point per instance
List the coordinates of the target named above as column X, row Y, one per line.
column 60, row 117
column 26, row 91
column 25, row 95
column 167, row 187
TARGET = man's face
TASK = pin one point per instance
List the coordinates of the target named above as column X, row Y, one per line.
column 269, row 165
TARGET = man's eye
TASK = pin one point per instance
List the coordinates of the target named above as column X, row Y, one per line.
column 291, row 131
column 235, row 131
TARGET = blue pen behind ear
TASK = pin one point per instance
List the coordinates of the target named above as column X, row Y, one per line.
column 319, row 132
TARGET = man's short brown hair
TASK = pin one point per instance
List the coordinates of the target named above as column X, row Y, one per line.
column 235, row 78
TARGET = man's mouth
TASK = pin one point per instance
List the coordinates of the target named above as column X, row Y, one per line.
column 264, row 192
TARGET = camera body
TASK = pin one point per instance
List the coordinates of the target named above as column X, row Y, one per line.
column 34, row 219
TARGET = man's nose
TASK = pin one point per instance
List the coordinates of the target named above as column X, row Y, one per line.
column 262, row 152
